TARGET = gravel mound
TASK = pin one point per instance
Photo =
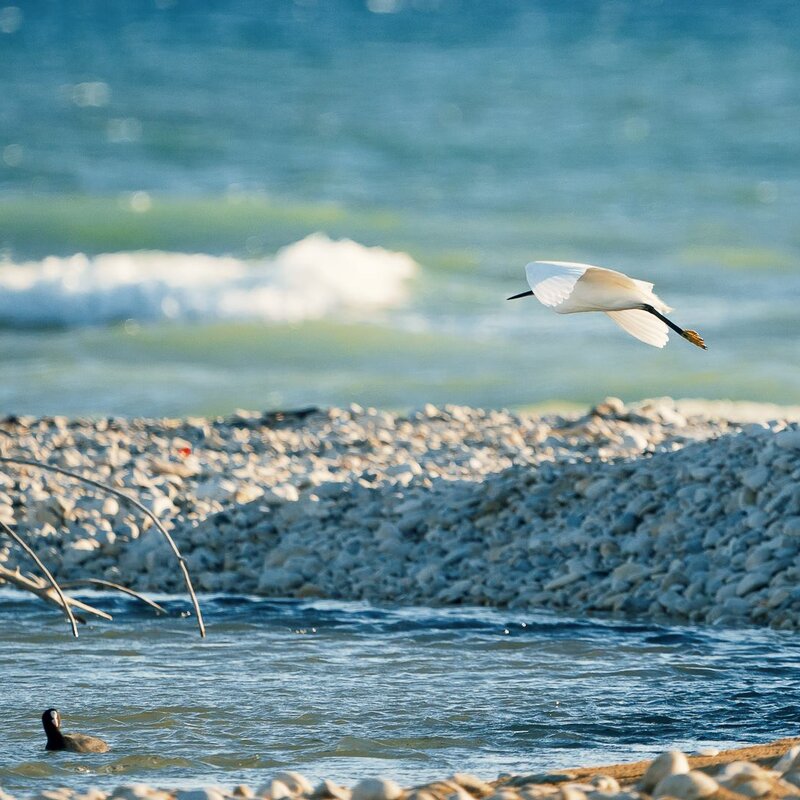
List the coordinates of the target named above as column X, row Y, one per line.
column 652, row 511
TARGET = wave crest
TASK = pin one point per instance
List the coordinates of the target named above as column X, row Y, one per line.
column 310, row 279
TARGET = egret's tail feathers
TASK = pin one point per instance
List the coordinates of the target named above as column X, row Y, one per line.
column 642, row 325
column 695, row 338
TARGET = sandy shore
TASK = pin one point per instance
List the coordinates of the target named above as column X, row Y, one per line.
column 763, row 755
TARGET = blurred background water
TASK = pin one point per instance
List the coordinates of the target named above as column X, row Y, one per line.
column 157, row 158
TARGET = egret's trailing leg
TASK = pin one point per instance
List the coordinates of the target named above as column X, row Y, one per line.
column 691, row 336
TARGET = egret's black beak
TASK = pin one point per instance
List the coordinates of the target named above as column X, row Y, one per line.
column 521, row 294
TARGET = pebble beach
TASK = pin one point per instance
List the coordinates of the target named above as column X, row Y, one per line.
column 654, row 510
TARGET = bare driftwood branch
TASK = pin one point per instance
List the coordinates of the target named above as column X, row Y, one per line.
column 40, row 588
column 134, row 502
column 159, row 609
column 27, row 548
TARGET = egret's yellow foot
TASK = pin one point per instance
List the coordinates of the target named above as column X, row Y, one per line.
column 695, row 338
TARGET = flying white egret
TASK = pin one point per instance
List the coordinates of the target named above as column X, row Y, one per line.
column 569, row 288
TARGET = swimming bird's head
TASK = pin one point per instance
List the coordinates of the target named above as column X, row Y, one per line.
column 51, row 718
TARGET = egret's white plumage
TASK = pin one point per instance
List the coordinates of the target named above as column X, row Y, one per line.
column 553, row 286
column 570, row 288
column 645, row 327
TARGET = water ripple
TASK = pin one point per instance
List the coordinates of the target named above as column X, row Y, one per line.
column 344, row 690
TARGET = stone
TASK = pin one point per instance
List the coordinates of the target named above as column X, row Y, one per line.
column 456, row 792
column 605, row 784
column 507, row 793
column 788, row 760
column 297, row 783
column 137, row 791
column 739, row 770
column 474, row 785
column 110, row 507
column 248, row 493
column 671, row 762
column 199, row 794
column 328, row 789
column 752, row 581
column 754, row 787
column 634, row 440
column 526, row 793
column 597, row 489
column 686, row 786
column 788, row 440
column 275, row 790
column 107, row 541
column 89, row 794
column 791, row 526
column 377, row 789
column 162, row 506
column 61, row 793
column 793, row 777
column 756, row 477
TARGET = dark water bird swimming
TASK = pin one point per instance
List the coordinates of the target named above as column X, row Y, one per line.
column 73, row 742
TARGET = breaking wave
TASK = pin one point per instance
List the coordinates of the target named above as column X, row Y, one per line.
column 310, row 279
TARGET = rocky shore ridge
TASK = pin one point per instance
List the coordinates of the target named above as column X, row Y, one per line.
column 652, row 510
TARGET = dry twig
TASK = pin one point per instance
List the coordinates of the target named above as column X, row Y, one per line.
column 134, row 502
column 27, row 548
column 159, row 609
column 38, row 586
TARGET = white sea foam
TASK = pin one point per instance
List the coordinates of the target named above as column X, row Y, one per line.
column 313, row 278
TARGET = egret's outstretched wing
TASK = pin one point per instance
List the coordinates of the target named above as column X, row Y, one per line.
column 552, row 282
column 644, row 326
column 611, row 288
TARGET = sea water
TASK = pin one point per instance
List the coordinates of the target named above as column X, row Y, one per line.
column 349, row 690
column 158, row 159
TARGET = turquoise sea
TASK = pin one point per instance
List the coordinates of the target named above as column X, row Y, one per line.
column 657, row 138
